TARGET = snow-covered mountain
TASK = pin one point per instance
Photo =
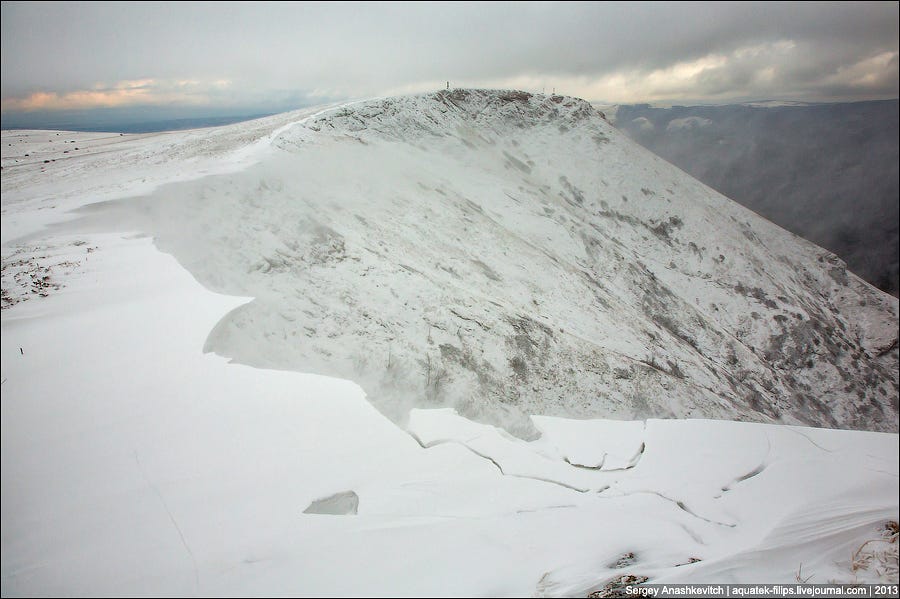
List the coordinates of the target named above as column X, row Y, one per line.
column 509, row 254
column 454, row 248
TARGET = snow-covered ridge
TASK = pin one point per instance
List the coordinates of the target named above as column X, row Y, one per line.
column 47, row 173
column 468, row 115
column 491, row 110
column 509, row 254
column 132, row 463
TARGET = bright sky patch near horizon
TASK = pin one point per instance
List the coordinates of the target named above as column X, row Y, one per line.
column 269, row 57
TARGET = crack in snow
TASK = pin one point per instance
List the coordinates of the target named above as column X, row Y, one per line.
column 762, row 466
column 585, row 466
column 496, row 464
column 680, row 505
column 805, row 436
column 696, row 538
column 165, row 505
column 635, row 459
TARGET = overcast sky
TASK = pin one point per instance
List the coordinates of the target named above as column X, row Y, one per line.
column 268, row 57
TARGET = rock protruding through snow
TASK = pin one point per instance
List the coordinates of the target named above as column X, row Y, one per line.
column 339, row 504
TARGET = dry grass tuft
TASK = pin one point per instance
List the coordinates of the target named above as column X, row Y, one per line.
column 617, row 586
column 879, row 555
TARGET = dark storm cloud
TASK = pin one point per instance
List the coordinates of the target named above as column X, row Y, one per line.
column 83, row 54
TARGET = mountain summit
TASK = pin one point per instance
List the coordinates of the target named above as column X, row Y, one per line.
column 503, row 253
column 507, row 254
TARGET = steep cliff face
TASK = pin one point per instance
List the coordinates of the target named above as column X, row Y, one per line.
column 511, row 254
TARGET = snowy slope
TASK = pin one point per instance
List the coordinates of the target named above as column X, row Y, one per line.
column 46, row 173
column 827, row 172
column 508, row 254
column 135, row 463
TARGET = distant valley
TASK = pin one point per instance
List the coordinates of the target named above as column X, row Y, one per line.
column 827, row 172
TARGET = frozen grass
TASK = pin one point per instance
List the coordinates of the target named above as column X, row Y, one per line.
column 879, row 555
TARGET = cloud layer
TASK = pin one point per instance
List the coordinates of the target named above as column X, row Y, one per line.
column 123, row 93
column 827, row 172
column 65, row 55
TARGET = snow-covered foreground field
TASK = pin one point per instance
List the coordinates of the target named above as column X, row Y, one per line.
column 133, row 463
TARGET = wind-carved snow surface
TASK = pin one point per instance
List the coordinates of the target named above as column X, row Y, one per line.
column 509, row 254
column 133, row 463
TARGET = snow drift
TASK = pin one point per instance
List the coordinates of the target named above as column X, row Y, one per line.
column 509, row 254
column 133, row 463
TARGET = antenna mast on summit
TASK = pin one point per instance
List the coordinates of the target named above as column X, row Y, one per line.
column 448, row 85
